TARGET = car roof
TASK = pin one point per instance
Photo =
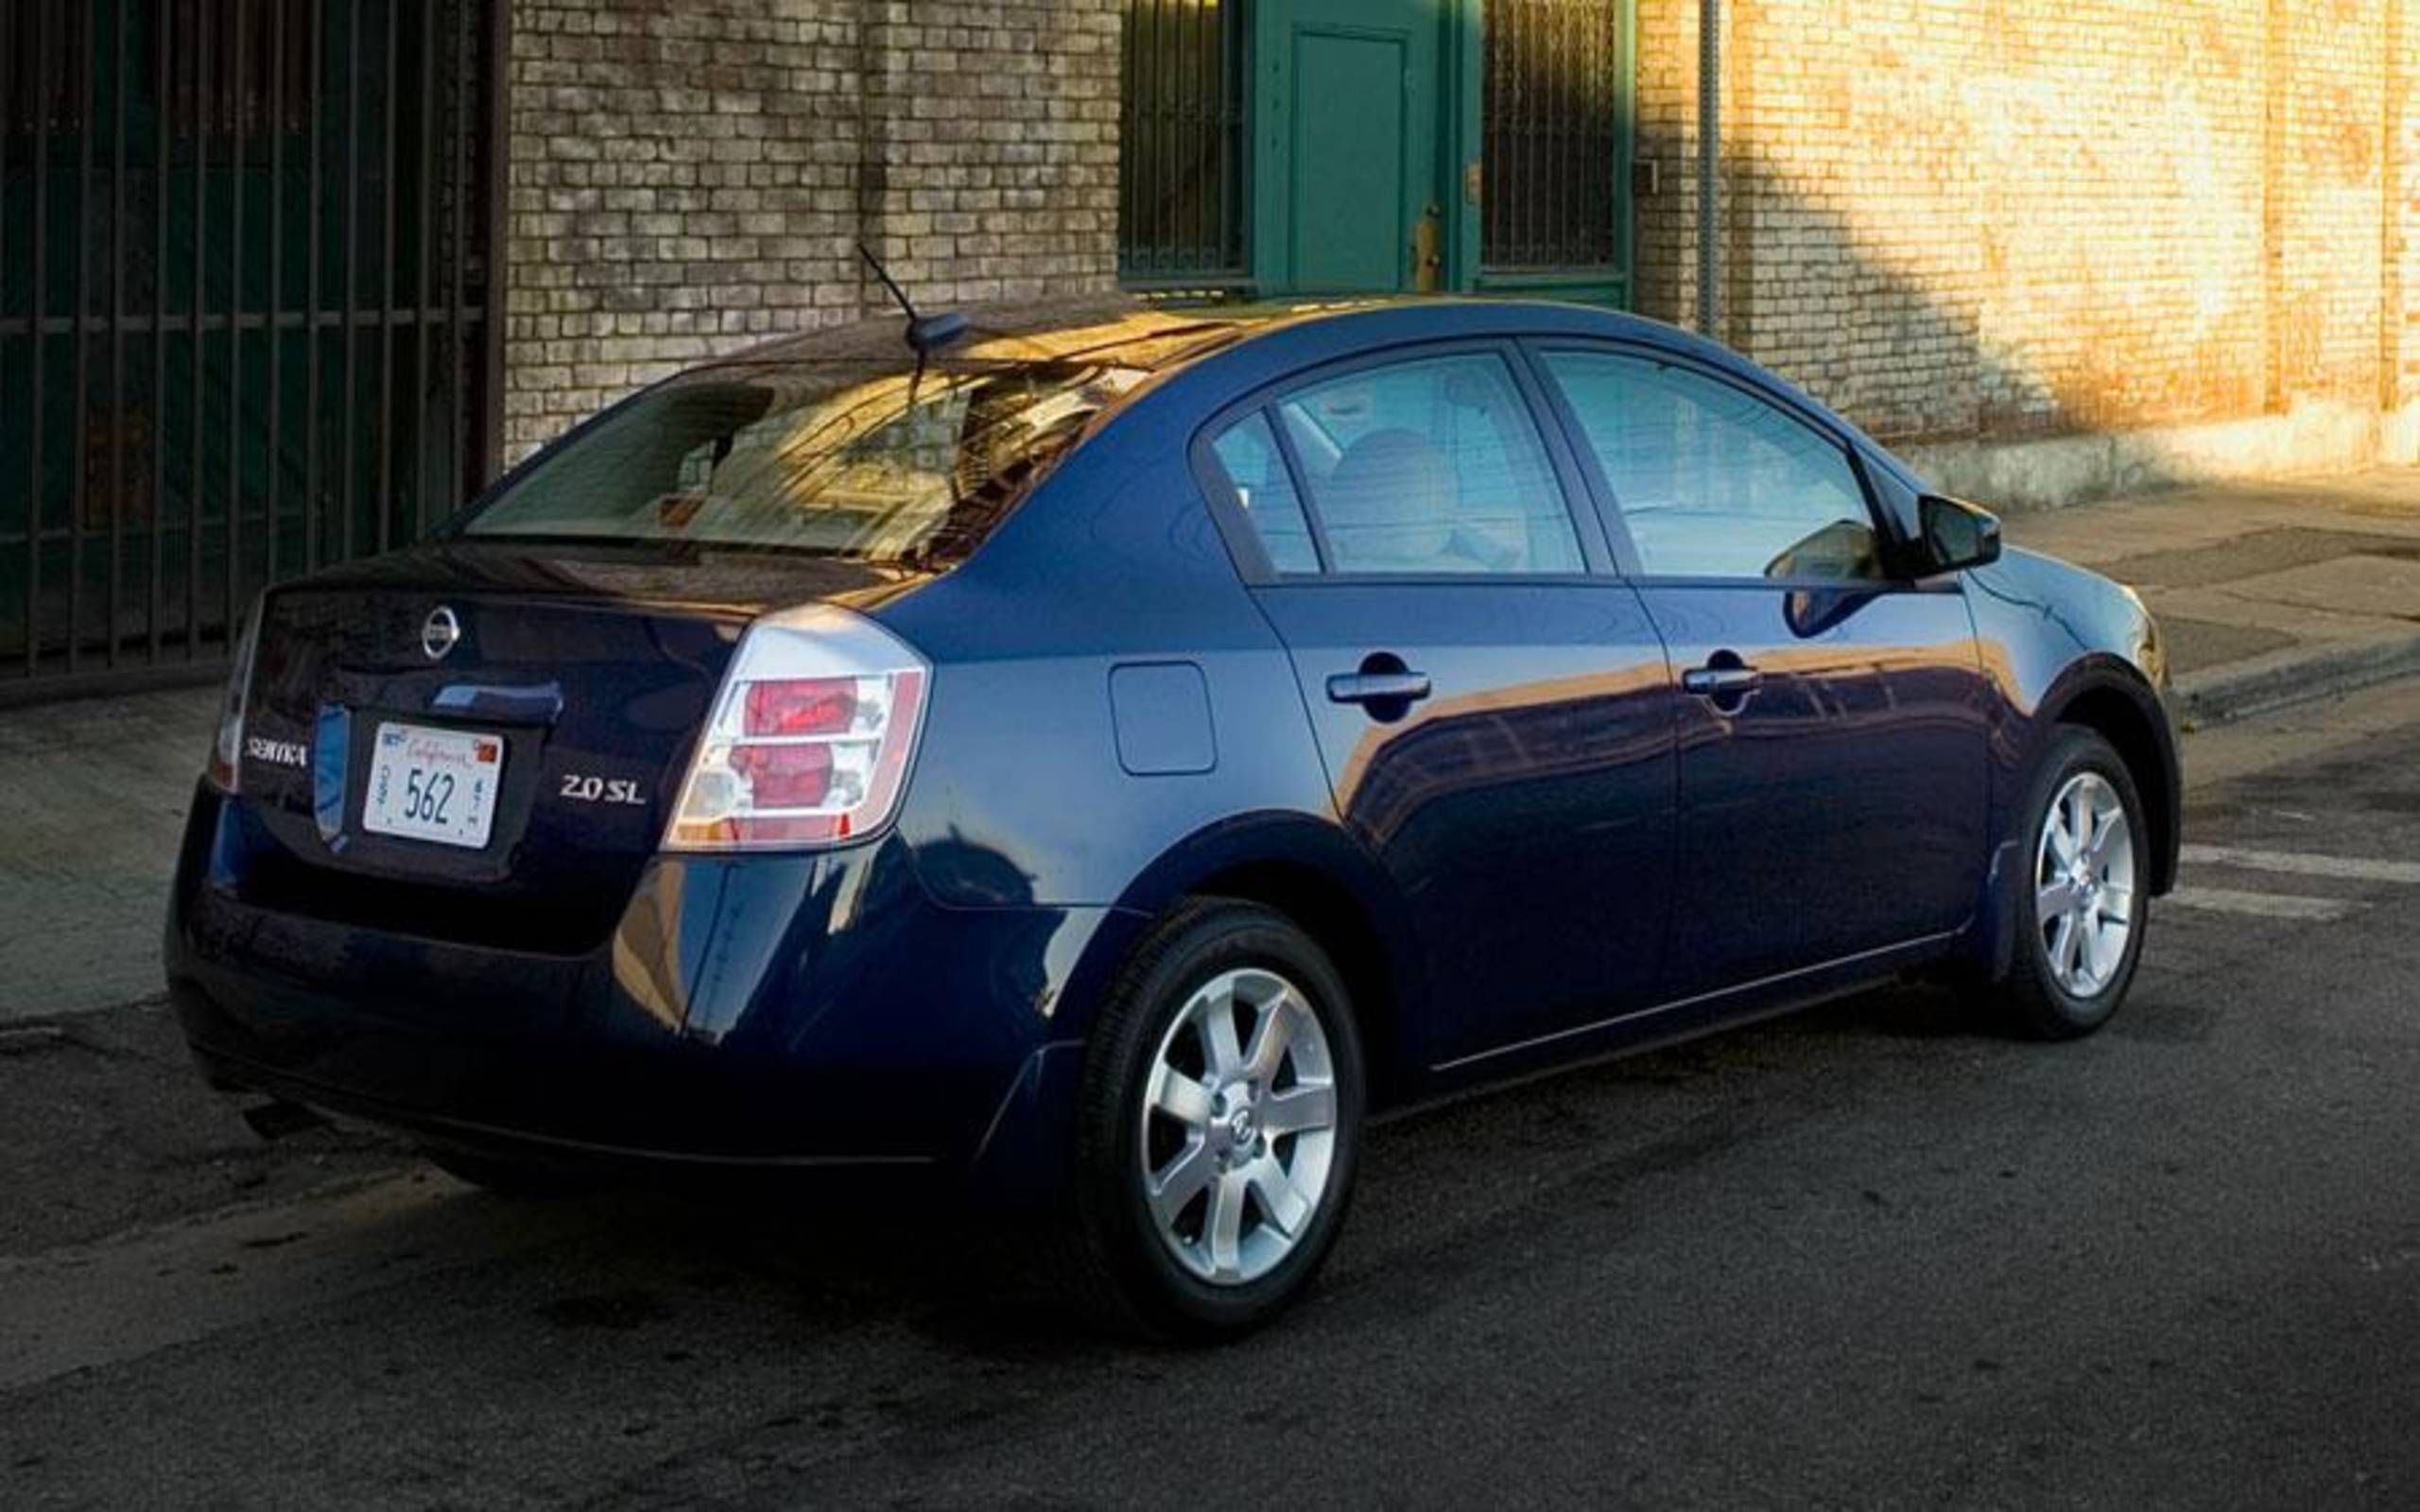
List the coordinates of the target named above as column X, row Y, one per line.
column 1250, row 344
column 1117, row 328
column 1156, row 337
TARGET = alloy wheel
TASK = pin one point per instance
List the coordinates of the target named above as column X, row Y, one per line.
column 2083, row 881
column 1238, row 1127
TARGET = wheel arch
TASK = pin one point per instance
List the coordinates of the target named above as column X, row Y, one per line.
column 1315, row 875
column 2112, row 698
column 2119, row 705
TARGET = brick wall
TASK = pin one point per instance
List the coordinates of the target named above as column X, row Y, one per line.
column 688, row 178
column 2399, row 339
column 991, row 161
column 1956, row 219
column 1667, row 95
column 2023, row 219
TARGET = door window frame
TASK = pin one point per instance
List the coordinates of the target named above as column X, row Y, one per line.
column 1885, row 523
column 1597, row 557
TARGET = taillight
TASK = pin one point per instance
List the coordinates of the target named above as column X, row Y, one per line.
column 809, row 739
column 227, row 754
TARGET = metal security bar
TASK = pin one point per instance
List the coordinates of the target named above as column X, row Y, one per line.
column 245, row 278
column 1180, row 142
column 1550, row 119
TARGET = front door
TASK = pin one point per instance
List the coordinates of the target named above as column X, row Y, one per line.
column 1349, row 113
column 1497, row 723
column 1833, row 719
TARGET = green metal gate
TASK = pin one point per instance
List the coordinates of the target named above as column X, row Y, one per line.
column 246, row 285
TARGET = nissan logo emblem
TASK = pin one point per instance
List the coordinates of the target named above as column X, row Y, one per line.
column 438, row 636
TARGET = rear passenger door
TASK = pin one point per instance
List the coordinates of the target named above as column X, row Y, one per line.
column 1495, row 710
column 1833, row 713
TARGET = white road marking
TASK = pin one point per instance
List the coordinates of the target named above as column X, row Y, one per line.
column 2262, row 905
column 2300, row 865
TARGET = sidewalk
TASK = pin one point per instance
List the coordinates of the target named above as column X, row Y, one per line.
column 2267, row 593
column 93, row 797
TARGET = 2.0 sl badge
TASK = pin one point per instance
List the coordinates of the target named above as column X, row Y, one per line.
column 621, row 791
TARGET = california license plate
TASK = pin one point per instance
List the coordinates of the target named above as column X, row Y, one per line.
column 433, row 784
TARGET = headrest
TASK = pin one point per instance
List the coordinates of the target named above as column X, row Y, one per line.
column 1390, row 477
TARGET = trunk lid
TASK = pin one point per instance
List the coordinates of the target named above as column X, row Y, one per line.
column 583, row 673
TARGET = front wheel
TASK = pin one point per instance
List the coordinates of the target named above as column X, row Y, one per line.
column 1220, row 1125
column 2081, row 901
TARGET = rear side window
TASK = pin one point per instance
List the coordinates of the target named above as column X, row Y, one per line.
column 1713, row 481
column 1249, row 452
column 1432, row 466
column 876, row 462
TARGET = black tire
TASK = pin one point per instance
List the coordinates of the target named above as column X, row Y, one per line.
column 2034, row 1002
column 1122, row 1273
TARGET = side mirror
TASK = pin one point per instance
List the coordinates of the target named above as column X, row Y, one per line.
column 1954, row 535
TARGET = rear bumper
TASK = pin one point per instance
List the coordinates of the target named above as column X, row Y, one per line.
column 772, row 1011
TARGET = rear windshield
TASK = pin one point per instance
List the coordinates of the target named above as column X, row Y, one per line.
column 861, row 459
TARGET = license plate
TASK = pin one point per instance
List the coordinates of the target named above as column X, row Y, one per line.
column 433, row 784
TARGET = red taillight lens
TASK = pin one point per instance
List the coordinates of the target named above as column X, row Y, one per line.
column 784, row 777
column 802, row 706
column 810, row 737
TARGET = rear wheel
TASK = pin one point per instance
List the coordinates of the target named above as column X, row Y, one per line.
column 2081, row 904
column 1220, row 1125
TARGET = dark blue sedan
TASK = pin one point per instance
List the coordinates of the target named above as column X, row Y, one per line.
column 1098, row 758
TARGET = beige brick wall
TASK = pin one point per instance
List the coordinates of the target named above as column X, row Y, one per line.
column 2012, row 218
column 991, row 156
column 2399, row 339
column 1665, row 220
column 1955, row 220
column 690, row 178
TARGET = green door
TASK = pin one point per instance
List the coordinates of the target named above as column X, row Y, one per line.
column 1348, row 102
column 1284, row 148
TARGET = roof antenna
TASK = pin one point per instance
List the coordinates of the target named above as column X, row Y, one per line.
column 926, row 333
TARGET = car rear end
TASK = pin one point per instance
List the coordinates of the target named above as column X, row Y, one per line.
column 569, row 834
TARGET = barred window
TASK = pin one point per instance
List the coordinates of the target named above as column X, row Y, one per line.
column 1550, row 119
column 1181, row 142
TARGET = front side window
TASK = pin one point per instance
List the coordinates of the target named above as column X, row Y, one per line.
column 1432, row 466
column 1713, row 481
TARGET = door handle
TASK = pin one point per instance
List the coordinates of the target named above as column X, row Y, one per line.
column 1723, row 681
column 1377, row 687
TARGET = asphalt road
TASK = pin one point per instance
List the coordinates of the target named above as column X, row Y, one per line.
column 1872, row 1254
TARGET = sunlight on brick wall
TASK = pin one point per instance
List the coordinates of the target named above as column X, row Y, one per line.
column 2013, row 217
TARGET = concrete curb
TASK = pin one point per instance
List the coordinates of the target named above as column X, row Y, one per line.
column 2315, row 669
